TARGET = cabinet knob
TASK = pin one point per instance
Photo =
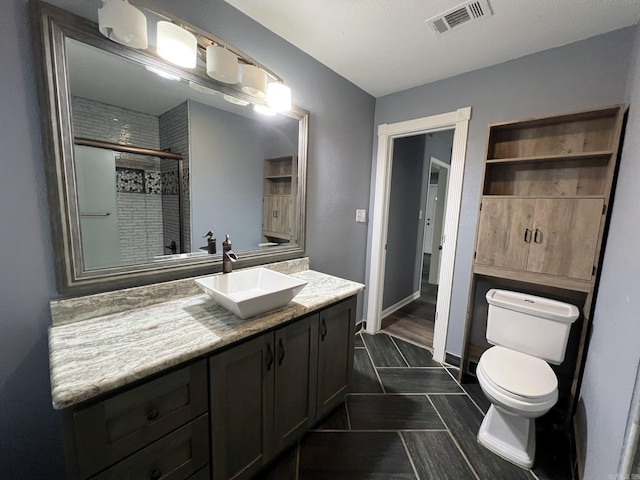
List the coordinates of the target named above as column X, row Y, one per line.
column 155, row 474
column 153, row 414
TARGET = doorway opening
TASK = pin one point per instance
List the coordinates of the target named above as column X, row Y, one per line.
column 417, row 206
column 388, row 135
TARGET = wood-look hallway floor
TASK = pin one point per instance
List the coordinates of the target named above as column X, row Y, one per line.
column 415, row 322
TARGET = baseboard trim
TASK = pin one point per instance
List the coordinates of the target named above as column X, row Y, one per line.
column 406, row 301
column 452, row 359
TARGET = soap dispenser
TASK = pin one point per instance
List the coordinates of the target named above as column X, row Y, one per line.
column 211, row 242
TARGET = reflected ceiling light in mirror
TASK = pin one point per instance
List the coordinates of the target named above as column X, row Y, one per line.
column 162, row 73
column 254, row 81
column 279, row 97
column 235, row 100
column 176, row 45
column 222, row 64
column 264, row 110
column 123, row 23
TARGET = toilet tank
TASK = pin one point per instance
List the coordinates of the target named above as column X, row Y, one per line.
column 529, row 324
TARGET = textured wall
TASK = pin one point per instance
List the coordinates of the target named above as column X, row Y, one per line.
column 585, row 74
column 339, row 171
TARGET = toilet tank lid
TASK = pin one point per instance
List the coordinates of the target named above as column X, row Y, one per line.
column 532, row 305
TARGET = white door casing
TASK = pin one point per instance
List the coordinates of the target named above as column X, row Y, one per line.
column 459, row 120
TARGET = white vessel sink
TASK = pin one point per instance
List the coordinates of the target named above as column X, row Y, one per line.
column 251, row 292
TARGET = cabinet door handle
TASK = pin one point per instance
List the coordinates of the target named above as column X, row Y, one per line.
column 527, row 235
column 323, row 330
column 281, row 354
column 269, row 357
column 537, row 235
column 273, row 213
column 155, row 474
column 152, row 414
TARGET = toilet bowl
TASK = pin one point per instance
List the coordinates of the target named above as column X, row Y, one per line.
column 516, row 398
column 527, row 332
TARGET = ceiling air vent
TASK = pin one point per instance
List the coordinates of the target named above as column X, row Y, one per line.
column 471, row 11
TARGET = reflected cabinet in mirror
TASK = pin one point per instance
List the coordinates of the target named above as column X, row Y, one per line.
column 147, row 161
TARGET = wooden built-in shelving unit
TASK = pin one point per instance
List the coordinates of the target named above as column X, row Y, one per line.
column 279, row 190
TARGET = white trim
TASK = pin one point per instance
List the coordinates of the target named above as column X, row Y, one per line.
column 386, row 134
column 405, row 301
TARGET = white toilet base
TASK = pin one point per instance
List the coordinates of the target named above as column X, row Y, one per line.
column 511, row 436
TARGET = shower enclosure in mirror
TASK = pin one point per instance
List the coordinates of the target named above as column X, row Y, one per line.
column 144, row 158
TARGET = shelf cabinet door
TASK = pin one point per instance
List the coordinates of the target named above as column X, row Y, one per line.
column 566, row 235
column 335, row 354
column 276, row 216
column 242, row 380
column 296, row 352
column 503, row 240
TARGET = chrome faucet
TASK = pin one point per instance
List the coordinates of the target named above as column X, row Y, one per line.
column 228, row 255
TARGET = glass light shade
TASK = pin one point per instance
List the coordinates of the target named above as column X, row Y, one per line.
column 264, row 110
column 279, row 97
column 123, row 23
column 176, row 45
column 222, row 64
column 254, row 81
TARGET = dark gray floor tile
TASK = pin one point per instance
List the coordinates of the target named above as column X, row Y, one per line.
column 416, row 356
column 335, row 420
column 436, row 456
column 418, row 380
column 383, row 351
column 358, row 343
column 392, row 412
column 478, row 396
column 354, row 456
column 364, row 376
column 463, row 420
column 284, row 467
column 553, row 451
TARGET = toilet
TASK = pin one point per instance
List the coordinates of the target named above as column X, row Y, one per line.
column 528, row 333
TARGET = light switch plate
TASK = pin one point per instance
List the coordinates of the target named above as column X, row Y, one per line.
column 361, row 215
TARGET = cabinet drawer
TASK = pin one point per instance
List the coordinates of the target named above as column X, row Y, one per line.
column 111, row 429
column 182, row 454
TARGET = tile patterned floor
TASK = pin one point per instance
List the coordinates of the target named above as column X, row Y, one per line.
column 408, row 418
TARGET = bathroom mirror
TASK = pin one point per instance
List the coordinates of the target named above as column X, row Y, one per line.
column 144, row 158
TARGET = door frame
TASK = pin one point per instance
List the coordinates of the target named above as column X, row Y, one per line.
column 440, row 164
column 387, row 133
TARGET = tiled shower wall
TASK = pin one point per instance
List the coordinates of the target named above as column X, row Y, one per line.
column 140, row 178
column 174, row 135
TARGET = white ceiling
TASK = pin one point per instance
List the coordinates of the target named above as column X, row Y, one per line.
column 385, row 46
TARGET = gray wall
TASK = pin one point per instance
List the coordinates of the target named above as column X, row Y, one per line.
column 614, row 350
column 585, row 74
column 404, row 205
column 341, row 133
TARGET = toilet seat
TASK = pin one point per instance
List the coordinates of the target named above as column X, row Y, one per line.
column 517, row 382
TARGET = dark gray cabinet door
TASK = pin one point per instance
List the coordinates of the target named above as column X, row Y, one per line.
column 336, row 332
column 295, row 380
column 241, row 383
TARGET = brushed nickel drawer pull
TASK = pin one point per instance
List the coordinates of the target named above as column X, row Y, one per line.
column 153, row 414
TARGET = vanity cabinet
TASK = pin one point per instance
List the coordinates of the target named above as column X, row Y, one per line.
column 265, row 393
column 544, row 206
column 279, row 190
column 151, row 426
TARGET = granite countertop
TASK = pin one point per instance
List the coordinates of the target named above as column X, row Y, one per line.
column 97, row 355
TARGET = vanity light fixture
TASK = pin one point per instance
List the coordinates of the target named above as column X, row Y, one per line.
column 278, row 97
column 235, row 100
column 202, row 89
column 162, row 73
column 264, row 110
column 123, row 23
column 254, row 81
column 177, row 45
column 222, row 64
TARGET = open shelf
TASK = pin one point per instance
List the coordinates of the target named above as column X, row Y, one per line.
column 604, row 155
